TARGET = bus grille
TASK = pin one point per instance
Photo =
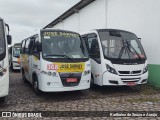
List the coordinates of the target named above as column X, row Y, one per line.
column 130, row 72
column 130, row 79
column 64, row 76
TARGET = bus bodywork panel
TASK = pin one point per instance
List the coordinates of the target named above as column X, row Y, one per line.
column 4, row 84
column 4, row 65
column 57, row 82
column 126, row 74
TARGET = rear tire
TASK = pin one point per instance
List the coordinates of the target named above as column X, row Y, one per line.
column 36, row 86
column 2, row 99
column 23, row 76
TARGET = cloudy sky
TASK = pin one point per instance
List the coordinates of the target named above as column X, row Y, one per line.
column 25, row 17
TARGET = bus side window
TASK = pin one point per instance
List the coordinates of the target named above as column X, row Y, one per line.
column 94, row 49
column 93, row 46
column 23, row 47
column 31, row 45
column 35, row 48
column 27, row 46
column 86, row 42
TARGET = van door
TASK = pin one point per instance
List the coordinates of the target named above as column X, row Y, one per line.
column 94, row 53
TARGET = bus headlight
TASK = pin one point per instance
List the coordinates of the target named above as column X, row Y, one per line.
column 86, row 72
column 110, row 69
column 50, row 73
column 145, row 69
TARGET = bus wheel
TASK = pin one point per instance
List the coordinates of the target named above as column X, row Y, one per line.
column 2, row 100
column 92, row 81
column 36, row 86
column 23, row 77
column 12, row 67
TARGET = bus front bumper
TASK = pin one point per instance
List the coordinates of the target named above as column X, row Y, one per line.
column 55, row 84
column 116, row 80
column 16, row 66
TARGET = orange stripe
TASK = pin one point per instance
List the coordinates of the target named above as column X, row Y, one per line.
column 18, row 60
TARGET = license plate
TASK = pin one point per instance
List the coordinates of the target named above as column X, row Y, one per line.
column 131, row 83
column 71, row 80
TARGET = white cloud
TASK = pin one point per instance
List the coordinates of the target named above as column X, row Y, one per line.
column 26, row 16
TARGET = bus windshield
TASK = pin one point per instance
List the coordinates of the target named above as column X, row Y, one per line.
column 121, row 45
column 2, row 39
column 63, row 45
column 16, row 52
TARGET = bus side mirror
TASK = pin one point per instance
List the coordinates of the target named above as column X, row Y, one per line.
column 139, row 39
column 9, row 39
column 39, row 47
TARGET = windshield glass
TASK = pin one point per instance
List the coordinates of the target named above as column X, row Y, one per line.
column 2, row 39
column 121, row 45
column 65, row 45
column 16, row 52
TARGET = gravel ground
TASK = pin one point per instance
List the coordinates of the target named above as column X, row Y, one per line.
column 94, row 101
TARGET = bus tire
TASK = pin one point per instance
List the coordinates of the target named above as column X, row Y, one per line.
column 23, row 76
column 36, row 85
column 92, row 81
column 12, row 66
column 2, row 99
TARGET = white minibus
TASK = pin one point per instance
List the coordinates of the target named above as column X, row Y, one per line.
column 14, row 56
column 55, row 60
column 5, row 39
column 117, row 57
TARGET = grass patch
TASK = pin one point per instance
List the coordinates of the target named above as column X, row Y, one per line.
column 149, row 90
column 144, row 100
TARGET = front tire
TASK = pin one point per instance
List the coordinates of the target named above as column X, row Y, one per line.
column 23, row 76
column 36, row 86
column 2, row 99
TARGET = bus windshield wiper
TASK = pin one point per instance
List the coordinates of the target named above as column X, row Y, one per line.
column 133, row 49
column 126, row 46
column 59, row 55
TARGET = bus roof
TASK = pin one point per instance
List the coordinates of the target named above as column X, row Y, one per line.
column 17, row 45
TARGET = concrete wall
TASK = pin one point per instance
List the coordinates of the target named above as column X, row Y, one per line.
column 91, row 17
column 141, row 17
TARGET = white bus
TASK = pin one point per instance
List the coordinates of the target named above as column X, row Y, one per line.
column 55, row 60
column 14, row 56
column 117, row 57
column 5, row 39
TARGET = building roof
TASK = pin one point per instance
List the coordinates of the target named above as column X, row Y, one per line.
column 75, row 9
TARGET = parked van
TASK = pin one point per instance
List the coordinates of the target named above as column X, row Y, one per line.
column 14, row 56
column 55, row 60
column 117, row 57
